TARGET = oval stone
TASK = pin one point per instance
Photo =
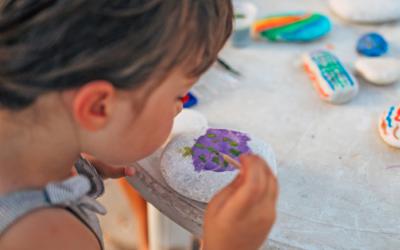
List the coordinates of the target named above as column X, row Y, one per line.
column 367, row 11
column 332, row 81
column 189, row 100
column 389, row 126
column 295, row 27
column 372, row 45
column 379, row 71
column 201, row 182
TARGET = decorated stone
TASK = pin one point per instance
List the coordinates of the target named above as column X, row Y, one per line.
column 189, row 121
column 295, row 27
column 372, row 45
column 193, row 165
column 367, row 11
column 379, row 71
column 189, row 100
column 333, row 82
column 389, row 126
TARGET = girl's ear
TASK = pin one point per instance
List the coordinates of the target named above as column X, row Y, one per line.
column 93, row 104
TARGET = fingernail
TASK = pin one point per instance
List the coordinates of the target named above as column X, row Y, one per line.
column 129, row 171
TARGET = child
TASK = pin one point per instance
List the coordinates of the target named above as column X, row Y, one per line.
column 106, row 78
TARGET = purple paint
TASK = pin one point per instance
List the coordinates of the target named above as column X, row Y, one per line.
column 207, row 148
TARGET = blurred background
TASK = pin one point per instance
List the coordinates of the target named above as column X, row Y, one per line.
column 120, row 225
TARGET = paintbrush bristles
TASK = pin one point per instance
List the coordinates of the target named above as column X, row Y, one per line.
column 231, row 161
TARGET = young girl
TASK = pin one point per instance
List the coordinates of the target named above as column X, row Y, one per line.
column 106, row 78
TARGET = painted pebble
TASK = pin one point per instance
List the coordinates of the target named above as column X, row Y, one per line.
column 189, row 100
column 372, row 45
column 379, row 71
column 299, row 27
column 330, row 78
column 389, row 126
column 367, row 11
column 193, row 166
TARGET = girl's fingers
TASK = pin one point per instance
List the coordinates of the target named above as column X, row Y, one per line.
column 102, row 168
column 108, row 171
column 252, row 186
column 129, row 171
column 274, row 189
column 271, row 190
column 219, row 200
column 270, row 195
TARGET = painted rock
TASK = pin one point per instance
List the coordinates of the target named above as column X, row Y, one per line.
column 367, row 11
column 389, row 126
column 299, row 27
column 189, row 121
column 333, row 82
column 372, row 45
column 380, row 71
column 189, row 100
column 193, row 166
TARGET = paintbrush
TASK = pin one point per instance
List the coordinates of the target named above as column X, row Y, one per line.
column 228, row 67
column 231, row 161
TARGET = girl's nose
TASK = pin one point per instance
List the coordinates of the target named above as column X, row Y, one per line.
column 179, row 109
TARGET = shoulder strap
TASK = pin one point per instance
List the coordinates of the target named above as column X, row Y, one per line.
column 16, row 205
column 70, row 194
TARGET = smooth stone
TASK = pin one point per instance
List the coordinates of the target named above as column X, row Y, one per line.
column 367, row 11
column 245, row 14
column 389, row 126
column 372, row 45
column 379, row 71
column 189, row 100
column 294, row 27
column 332, row 81
column 189, row 121
column 179, row 171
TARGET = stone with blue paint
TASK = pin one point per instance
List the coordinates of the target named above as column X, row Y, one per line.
column 292, row 27
column 372, row 45
column 189, row 100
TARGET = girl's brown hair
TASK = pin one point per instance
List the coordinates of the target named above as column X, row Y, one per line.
column 53, row 45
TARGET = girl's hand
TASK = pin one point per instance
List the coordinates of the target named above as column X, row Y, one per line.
column 242, row 214
column 107, row 171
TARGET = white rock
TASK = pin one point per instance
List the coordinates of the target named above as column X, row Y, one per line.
column 189, row 121
column 367, row 11
column 248, row 12
column 380, row 71
column 179, row 172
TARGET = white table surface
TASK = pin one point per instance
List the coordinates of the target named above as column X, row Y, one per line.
column 339, row 188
